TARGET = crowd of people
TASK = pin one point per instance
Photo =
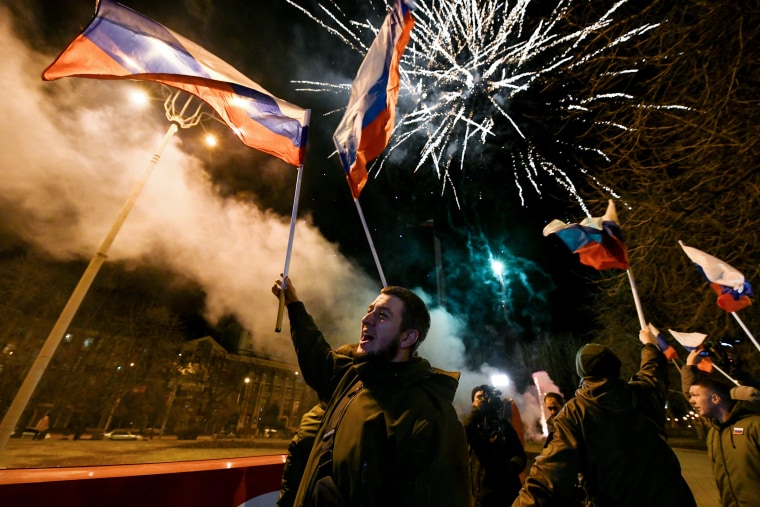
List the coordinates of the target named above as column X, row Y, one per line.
column 386, row 432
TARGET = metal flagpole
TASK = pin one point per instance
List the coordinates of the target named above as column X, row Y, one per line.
column 32, row 379
column 369, row 239
column 741, row 323
column 293, row 216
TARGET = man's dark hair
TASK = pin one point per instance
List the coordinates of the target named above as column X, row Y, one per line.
column 714, row 386
column 416, row 315
column 556, row 396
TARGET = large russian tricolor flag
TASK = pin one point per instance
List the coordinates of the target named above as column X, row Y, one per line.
column 368, row 122
column 120, row 43
column 597, row 240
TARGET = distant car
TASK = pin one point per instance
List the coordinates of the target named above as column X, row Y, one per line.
column 122, row 435
column 27, row 433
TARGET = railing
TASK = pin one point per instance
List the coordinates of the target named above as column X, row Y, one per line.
column 235, row 482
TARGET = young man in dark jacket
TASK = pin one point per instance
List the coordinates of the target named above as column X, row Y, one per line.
column 611, row 433
column 390, row 435
column 733, row 442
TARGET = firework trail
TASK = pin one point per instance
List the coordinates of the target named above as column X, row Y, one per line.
column 477, row 74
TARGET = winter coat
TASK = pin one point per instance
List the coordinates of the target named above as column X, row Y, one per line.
column 390, row 435
column 298, row 452
column 612, row 434
column 734, row 447
column 497, row 458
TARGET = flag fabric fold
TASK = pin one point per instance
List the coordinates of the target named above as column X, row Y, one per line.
column 689, row 341
column 370, row 115
column 733, row 291
column 598, row 241
column 120, row 43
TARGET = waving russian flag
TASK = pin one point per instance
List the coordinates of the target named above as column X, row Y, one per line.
column 120, row 43
column 366, row 127
column 729, row 285
column 597, row 240
column 662, row 343
column 691, row 341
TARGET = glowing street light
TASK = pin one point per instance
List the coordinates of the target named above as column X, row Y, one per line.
column 138, row 97
column 500, row 380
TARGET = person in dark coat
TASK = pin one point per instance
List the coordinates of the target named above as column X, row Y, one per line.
column 390, row 435
column 733, row 442
column 497, row 456
column 301, row 444
column 612, row 434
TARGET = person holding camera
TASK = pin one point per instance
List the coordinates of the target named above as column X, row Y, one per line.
column 497, row 456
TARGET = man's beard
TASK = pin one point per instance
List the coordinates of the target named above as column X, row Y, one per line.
column 385, row 354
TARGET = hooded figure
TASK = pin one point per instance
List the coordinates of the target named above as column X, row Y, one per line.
column 612, row 436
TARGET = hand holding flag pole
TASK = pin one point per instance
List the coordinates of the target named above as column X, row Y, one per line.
column 728, row 283
column 293, row 215
column 694, row 341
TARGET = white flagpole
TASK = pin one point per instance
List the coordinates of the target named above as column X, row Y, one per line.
column 293, row 216
column 714, row 366
column 636, row 300
column 25, row 392
column 741, row 323
column 725, row 374
column 369, row 239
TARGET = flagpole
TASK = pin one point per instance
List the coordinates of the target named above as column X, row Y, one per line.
column 25, row 392
column 369, row 239
column 291, row 236
column 725, row 374
column 741, row 323
column 636, row 299
column 286, row 269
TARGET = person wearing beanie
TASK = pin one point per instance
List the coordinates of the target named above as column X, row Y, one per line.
column 611, row 436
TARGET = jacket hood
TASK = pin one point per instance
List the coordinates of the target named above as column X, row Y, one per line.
column 594, row 360
column 740, row 410
column 609, row 394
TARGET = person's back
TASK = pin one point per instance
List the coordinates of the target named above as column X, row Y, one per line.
column 611, row 435
column 625, row 459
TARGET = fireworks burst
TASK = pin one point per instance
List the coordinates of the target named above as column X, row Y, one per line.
column 493, row 75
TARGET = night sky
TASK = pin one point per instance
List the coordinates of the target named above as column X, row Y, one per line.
column 231, row 241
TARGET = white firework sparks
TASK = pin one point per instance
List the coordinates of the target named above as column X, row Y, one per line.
column 468, row 67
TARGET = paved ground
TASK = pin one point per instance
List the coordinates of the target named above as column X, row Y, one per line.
column 695, row 468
